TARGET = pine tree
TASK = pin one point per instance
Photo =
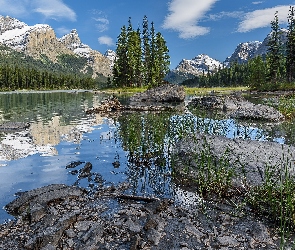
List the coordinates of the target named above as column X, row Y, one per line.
column 146, row 52
column 134, row 56
column 274, row 55
column 120, row 69
column 162, row 57
column 290, row 48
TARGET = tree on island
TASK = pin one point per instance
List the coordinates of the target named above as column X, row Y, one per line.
column 142, row 57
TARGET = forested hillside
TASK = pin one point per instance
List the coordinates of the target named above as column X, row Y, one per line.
column 19, row 71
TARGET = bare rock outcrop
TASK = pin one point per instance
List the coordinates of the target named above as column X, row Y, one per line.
column 238, row 107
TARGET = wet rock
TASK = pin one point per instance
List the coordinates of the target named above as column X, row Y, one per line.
column 85, row 171
column 35, row 200
column 90, row 222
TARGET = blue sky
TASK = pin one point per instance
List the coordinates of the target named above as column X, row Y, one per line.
column 190, row 27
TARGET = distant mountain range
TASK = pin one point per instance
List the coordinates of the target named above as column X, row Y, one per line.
column 201, row 64
column 40, row 40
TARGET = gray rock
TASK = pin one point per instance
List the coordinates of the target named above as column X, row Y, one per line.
column 249, row 157
column 34, row 200
column 238, row 107
column 163, row 93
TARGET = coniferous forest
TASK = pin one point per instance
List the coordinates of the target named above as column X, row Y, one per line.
column 142, row 57
column 19, row 71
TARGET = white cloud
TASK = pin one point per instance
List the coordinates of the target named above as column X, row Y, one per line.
column 106, row 40
column 258, row 2
column 184, row 17
column 262, row 18
column 54, row 9
column 224, row 14
column 102, row 25
column 13, row 7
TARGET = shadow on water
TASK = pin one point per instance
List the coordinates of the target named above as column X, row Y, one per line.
column 95, row 150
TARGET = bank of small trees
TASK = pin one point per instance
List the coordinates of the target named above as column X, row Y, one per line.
column 142, row 57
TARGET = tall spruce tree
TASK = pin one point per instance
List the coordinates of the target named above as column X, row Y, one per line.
column 290, row 48
column 274, row 55
column 146, row 51
column 120, row 69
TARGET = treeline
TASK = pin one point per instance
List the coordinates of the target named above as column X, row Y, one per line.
column 19, row 71
column 142, row 57
column 274, row 71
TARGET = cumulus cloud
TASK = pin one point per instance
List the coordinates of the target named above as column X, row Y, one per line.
column 185, row 15
column 262, row 18
column 106, row 40
column 53, row 9
column 258, row 2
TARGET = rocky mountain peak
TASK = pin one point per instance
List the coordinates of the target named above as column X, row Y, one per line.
column 198, row 65
column 71, row 40
column 10, row 23
column 244, row 52
column 111, row 55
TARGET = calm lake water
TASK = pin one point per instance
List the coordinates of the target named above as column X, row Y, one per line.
column 133, row 147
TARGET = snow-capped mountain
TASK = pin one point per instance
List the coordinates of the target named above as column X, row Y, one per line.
column 111, row 55
column 199, row 65
column 40, row 39
column 244, row 52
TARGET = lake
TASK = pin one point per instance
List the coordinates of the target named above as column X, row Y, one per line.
column 128, row 147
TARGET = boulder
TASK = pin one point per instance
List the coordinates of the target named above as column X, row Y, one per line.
column 238, row 107
column 163, row 93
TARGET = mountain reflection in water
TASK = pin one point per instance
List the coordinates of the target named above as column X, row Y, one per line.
column 133, row 147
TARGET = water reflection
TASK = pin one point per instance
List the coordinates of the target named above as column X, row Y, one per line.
column 130, row 146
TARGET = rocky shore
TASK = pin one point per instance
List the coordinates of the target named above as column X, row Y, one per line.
column 64, row 217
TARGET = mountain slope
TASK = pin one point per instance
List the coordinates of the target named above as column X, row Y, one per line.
column 40, row 40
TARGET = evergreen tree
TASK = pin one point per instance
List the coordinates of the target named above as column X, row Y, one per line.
column 274, row 56
column 290, row 48
column 146, row 52
column 134, row 56
column 161, row 59
column 120, row 69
